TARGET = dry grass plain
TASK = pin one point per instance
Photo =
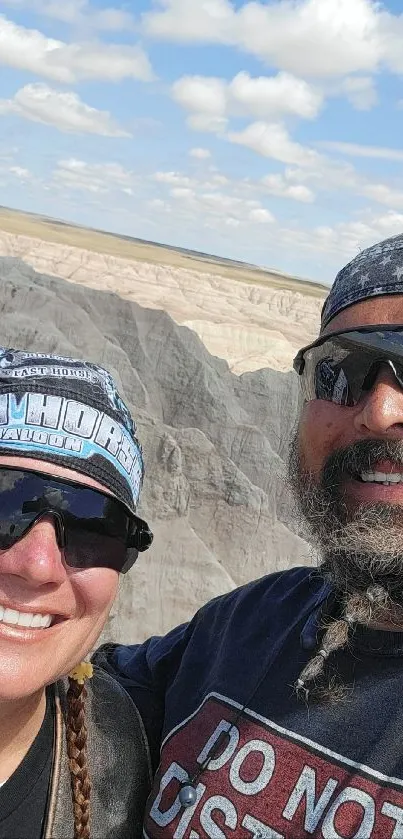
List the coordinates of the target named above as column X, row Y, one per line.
column 250, row 316
column 98, row 241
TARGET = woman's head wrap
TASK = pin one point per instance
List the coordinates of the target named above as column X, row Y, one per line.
column 69, row 412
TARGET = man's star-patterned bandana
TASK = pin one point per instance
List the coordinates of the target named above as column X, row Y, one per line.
column 374, row 272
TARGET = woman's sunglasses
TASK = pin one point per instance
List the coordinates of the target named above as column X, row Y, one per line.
column 93, row 529
column 340, row 366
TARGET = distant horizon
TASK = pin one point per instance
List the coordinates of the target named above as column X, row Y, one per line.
column 204, row 256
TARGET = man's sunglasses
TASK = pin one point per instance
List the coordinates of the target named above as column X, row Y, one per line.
column 341, row 365
column 93, row 529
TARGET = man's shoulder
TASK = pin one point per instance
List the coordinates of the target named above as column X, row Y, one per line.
column 268, row 605
column 296, row 590
column 276, row 586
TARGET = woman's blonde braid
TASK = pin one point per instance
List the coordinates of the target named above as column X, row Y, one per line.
column 76, row 734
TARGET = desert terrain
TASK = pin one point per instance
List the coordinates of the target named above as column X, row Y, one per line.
column 253, row 318
column 201, row 350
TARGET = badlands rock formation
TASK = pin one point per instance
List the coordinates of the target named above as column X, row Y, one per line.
column 214, row 443
column 256, row 322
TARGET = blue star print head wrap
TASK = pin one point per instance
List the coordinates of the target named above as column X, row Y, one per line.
column 373, row 273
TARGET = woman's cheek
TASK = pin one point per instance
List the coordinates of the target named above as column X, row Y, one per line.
column 96, row 590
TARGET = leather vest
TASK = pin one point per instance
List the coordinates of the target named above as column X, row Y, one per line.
column 118, row 761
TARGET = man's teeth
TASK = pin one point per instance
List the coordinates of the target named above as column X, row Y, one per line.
column 382, row 477
column 26, row 619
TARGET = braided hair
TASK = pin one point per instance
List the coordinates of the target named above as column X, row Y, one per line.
column 76, row 735
column 358, row 608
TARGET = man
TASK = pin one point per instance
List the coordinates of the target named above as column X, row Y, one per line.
column 71, row 471
column 277, row 711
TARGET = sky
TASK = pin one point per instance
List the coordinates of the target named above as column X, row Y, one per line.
column 269, row 132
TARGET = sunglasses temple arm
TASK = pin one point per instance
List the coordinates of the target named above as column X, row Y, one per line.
column 142, row 537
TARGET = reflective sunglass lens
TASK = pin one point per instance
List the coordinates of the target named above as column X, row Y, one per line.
column 93, row 529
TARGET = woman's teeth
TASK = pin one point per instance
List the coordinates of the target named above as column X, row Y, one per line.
column 382, row 477
column 27, row 620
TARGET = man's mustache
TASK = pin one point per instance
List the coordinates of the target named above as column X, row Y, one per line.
column 362, row 456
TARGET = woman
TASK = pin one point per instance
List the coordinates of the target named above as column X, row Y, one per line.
column 71, row 471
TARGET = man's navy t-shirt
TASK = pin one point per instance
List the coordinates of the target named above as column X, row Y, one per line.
column 285, row 768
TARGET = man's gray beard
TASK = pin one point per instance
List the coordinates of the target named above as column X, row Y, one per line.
column 358, row 547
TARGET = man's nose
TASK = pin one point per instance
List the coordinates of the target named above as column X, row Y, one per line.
column 381, row 408
column 37, row 557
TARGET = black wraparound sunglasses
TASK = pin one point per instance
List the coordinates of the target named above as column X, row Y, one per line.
column 341, row 365
column 93, row 529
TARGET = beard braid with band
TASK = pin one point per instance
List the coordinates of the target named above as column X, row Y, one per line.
column 361, row 551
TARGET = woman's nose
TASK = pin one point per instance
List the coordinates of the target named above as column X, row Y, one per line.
column 37, row 557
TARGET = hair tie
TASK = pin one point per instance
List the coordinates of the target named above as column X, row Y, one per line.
column 82, row 672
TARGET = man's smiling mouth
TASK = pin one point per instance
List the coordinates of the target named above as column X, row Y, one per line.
column 385, row 478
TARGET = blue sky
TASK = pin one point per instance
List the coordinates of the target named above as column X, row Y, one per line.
column 269, row 132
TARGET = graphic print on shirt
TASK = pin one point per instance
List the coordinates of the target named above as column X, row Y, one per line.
column 266, row 783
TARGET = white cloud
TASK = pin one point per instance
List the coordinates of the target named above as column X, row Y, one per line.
column 200, row 153
column 187, row 21
column 305, row 37
column 261, row 216
column 391, row 31
column 320, row 39
column 182, row 192
column 214, row 202
column 201, row 95
column 277, row 185
column 217, row 205
column 95, row 178
column 20, row 172
column 356, row 150
column 219, row 180
column 181, row 181
column 262, row 97
column 266, row 96
column 172, row 179
column 80, row 13
column 384, row 194
column 328, row 175
column 206, row 122
column 334, row 245
column 62, row 110
column 246, row 190
column 30, row 50
column 351, row 237
column 159, row 205
column 360, row 92
column 272, row 140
